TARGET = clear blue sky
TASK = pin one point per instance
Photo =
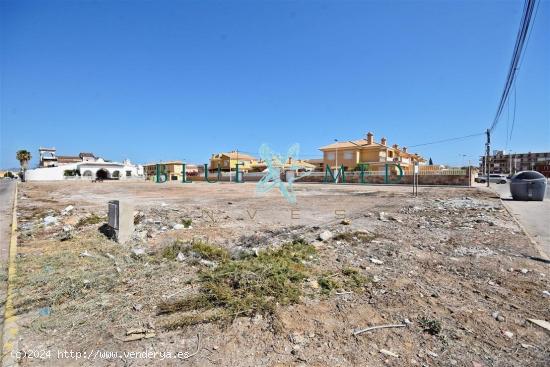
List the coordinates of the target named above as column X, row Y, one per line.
column 160, row 80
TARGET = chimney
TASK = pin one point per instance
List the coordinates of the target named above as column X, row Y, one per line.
column 395, row 146
column 370, row 138
column 404, row 149
column 383, row 141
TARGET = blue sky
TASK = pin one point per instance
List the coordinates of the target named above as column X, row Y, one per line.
column 160, row 80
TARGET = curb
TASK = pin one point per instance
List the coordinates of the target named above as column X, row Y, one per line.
column 9, row 334
column 542, row 254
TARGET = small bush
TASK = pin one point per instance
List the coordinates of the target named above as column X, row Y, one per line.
column 186, row 222
column 353, row 279
column 207, row 251
column 327, row 284
column 89, row 220
column 355, row 237
column 243, row 287
column 171, row 252
column 431, row 326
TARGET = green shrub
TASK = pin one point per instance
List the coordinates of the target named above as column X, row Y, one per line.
column 243, row 287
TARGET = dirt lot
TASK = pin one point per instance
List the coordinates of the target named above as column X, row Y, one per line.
column 231, row 278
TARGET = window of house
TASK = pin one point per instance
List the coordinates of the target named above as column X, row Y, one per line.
column 331, row 156
column 348, row 154
column 128, row 173
column 390, row 154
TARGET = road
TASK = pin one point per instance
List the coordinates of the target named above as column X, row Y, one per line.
column 7, row 189
column 533, row 215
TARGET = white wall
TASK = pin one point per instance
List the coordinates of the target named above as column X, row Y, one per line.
column 56, row 173
column 48, row 173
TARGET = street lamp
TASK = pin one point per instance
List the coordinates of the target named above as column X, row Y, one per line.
column 462, row 161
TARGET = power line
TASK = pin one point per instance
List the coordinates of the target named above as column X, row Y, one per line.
column 528, row 7
column 446, row 140
column 514, row 113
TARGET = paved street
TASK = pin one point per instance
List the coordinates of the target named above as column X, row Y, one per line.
column 533, row 215
column 7, row 189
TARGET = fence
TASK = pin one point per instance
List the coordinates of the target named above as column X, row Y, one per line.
column 452, row 176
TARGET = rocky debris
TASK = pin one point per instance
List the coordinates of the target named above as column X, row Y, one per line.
column 138, row 251
column 389, row 353
column 67, row 233
column 140, row 236
column 50, row 220
column 546, row 293
column 346, row 221
column 382, row 217
column 326, row 235
column 67, row 210
column 432, row 354
column 85, row 254
column 474, row 251
column 376, row 261
column 139, row 217
column 498, row 316
column 138, row 333
column 239, row 252
column 508, row 334
column 178, row 226
column 180, row 257
column 208, row 263
column 138, row 307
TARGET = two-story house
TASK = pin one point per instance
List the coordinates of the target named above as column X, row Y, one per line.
column 351, row 154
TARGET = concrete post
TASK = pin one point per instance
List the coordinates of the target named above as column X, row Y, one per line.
column 121, row 219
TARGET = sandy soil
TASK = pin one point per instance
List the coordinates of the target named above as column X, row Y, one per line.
column 451, row 258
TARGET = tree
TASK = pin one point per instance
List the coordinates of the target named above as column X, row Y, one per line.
column 23, row 156
column 431, row 163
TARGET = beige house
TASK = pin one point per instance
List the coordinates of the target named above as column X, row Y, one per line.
column 227, row 161
column 172, row 169
column 351, row 154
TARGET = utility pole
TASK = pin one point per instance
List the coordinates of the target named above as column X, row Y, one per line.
column 487, row 151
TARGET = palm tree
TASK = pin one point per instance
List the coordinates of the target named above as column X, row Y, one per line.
column 23, row 156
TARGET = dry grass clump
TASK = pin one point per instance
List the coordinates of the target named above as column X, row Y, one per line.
column 243, row 287
column 196, row 249
column 89, row 220
column 355, row 237
column 347, row 279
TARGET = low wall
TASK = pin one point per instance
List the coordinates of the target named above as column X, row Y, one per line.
column 354, row 177
column 248, row 177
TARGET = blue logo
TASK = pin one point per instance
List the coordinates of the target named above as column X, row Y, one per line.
column 278, row 165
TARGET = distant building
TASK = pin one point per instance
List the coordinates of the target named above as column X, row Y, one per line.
column 318, row 163
column 510, row 163
column 84, row 166
column 172, row 169
column 48, row 158
column 227, row 161
column 351, row 154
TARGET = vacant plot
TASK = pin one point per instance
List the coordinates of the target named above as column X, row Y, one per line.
column 225, row 277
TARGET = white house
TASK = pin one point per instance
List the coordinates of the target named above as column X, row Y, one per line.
column 89, row 167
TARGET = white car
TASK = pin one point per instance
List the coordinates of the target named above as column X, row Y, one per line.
column 493, row 177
